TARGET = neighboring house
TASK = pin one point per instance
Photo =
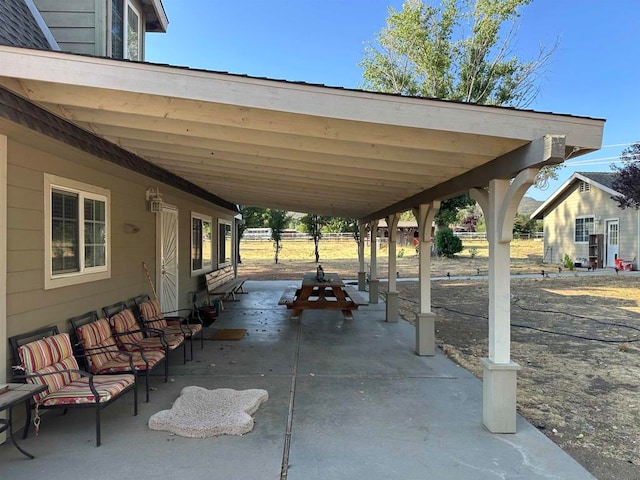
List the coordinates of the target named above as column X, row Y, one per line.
column 81, row 211
column 582, row 221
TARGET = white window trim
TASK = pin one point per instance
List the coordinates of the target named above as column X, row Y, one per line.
column 574, row 228
column 85, row 275
column 222, row 263
column 125, row 31
column 205, row 268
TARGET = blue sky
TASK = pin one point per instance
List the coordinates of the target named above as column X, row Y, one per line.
column 595, row 71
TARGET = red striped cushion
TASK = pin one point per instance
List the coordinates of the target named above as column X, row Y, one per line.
column 48, row 355
column 98, row 334
column 121, row 362
column 150, row 311
column 125, row 322
column 78, row 392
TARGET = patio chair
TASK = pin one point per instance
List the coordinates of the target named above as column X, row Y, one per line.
column 130, row 337
column 102, row 354
column 149, row 315
column 46, row 357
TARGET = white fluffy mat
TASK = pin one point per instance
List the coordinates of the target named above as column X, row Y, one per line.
column 200, row 413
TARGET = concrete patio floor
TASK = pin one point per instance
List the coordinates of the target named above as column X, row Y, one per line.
column 348, row 399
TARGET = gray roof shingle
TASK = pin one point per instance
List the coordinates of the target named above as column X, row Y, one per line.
column 18, row 28
column 603, row 178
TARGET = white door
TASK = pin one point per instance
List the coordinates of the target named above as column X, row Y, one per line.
column 168, row 268
column 612, row 242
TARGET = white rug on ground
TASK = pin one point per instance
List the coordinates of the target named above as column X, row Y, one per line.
column 200, row 413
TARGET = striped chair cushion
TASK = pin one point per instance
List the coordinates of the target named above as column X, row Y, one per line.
column 155, row 343
column 49, row 355
column 121, row 362
column 150, row 311
column 124, row 322
column 98, row 334
column 78, row 392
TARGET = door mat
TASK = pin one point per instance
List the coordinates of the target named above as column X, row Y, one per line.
column 229, row 334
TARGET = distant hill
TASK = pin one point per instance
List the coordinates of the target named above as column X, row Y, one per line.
column 529, row 205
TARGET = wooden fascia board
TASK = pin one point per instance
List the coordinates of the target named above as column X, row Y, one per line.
column 169, row 81
column 547, row 150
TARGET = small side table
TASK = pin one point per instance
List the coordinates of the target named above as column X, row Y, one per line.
column 17, row 393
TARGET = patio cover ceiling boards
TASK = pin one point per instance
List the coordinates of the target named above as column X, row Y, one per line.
column 287, row 145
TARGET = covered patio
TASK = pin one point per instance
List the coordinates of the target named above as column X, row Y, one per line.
column 300, row 147
column 347, row 400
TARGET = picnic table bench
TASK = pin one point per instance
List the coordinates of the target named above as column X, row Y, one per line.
column 222, row 284
column 331, row 294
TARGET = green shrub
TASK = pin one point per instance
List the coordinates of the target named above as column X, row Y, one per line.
column 448, row 244
column 567, row 262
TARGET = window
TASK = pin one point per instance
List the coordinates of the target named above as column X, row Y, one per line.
column 126, row 30
column 224, row 243
column 201, row 243
column 584, row 228
column 77, row 232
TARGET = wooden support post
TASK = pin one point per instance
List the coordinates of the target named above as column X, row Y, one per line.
column 373, row 273
column 425, row 323
column 392, row 292
column 499, row 204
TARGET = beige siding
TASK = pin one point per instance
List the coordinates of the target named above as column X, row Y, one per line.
column 559, row 224
column 29, row 305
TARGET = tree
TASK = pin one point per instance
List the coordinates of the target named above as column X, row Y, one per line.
column 277, row 220
column 312, row 225
column 524, row 225
column 627, row 182
column 252, row 217
column 448, row 213
column 459, row 51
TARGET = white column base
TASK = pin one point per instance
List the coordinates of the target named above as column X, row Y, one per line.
column 374, row 289
column 392, row 307
column 362, row 281
column 499, row 386
column 426, row 334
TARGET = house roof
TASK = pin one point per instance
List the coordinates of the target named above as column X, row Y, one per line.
column 155, row 16
column 601, row 180
column 19, row 26
column 294, row 146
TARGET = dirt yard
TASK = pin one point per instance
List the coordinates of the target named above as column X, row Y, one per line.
column 576, row 337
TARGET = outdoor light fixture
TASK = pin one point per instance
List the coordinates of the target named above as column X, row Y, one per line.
column 154, row 197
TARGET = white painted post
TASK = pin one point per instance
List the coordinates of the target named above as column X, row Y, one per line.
column 499, row 278
column 392, row 291
column 362, row 275
column 425, row 323
column 373, row 273
column 499, row 384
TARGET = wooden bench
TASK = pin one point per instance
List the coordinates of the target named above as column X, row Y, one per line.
column 289, row 296
column 355, row 295
column 222, row 284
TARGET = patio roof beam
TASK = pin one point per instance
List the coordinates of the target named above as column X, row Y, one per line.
column 546, row 150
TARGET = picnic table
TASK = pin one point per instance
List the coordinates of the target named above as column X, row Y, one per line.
column 328, row 293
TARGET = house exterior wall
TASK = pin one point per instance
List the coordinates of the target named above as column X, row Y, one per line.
column 79, row 26
column 559, row 224
column 83, row 26
column 29, row 305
